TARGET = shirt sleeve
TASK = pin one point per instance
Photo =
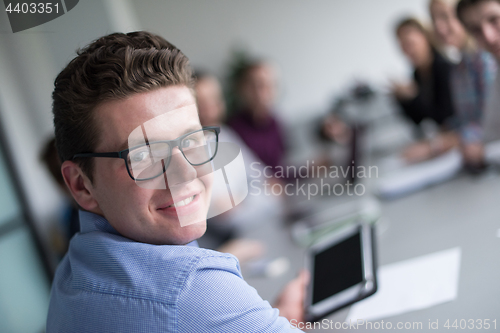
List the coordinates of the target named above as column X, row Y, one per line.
column 215, row 298
column 483, row 70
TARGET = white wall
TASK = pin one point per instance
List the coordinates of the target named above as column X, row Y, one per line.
column 320, row 46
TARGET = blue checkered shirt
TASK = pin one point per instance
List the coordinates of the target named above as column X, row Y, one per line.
column 108, row 283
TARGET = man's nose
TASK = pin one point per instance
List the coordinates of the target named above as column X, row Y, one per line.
column 179, row 170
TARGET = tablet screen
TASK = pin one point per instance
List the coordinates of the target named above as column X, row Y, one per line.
column 337, row 268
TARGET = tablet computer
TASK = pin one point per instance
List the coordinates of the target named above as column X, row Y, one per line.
column 343, row 270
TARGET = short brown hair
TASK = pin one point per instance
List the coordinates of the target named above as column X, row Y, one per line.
column 464, row 5
column 112, row 67
column 414, row 23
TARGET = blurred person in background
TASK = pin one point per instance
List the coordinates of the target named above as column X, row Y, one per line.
column 339, row 131
column 482, row 19
column 212, row 111
column 254, row 120
column 472, row 76
column 223, row 230
column 428, row 96
column 338, row 142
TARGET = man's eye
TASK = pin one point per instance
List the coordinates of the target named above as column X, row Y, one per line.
column 139, row 156
column 188, row 143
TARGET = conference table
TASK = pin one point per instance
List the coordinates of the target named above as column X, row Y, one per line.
column 463, row 212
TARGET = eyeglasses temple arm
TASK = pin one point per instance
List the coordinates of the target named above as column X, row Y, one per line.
column 112, row 155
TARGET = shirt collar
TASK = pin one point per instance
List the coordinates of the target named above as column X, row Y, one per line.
column 92, row 222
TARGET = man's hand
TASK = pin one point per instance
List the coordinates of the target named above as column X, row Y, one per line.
column 291, row 301
column 336, row 130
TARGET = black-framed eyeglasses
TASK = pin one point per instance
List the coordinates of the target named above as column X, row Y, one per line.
column 150, row 160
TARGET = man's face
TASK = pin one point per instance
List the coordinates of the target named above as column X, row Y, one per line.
column 145, row 213
column 483, row 22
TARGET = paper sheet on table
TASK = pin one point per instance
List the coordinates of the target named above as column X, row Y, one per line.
column 411, row 285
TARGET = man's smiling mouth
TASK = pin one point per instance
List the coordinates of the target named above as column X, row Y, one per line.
column 181, row 203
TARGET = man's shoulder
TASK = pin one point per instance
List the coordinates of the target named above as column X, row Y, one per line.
column 110, row 264
column 111, row 283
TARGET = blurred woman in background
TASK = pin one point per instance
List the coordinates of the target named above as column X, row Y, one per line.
column 254, row 121
column 471, row 77
column 428, row 96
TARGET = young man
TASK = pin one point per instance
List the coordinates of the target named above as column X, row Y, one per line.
column 127, row 133
column 482, row 19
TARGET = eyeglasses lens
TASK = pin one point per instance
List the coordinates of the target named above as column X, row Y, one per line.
column 150, row 161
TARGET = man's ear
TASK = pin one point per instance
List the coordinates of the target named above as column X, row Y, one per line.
column 79, row 185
